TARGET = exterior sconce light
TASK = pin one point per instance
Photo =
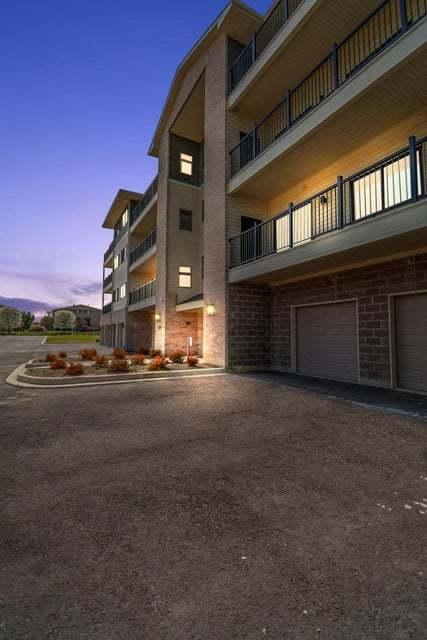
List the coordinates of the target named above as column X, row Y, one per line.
column 157, row 317
column 324, row 199
column 211, row 310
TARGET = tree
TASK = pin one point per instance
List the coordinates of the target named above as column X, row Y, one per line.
column 64, row 320
column 27, row 320
column 47, row 322
column 10, row 319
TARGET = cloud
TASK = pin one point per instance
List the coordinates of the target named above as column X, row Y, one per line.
column 87, row 289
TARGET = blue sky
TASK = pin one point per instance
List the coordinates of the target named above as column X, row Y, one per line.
column 82, row 86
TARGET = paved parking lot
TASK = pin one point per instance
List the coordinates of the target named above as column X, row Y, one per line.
column 231, row 507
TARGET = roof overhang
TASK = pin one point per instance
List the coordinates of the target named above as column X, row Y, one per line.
column 238, row 21
column 122, row 199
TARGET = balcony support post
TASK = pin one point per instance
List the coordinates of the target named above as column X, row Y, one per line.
column 254, row 142
column 286, row 9
column 335, row 68
column 340, row 202
column 253, row 48
column 403, row 16
column 291, row 224
column 413, row 168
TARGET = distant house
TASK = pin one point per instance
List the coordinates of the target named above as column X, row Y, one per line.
column 86, row 316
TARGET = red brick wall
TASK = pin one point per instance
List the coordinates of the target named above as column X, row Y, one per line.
column 370, row 286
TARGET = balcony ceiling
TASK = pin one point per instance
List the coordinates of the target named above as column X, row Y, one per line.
column 398, row 97
column 330, row 22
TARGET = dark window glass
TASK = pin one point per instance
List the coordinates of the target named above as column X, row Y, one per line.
column 185, row 220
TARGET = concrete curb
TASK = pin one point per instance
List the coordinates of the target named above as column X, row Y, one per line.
column 18, row 378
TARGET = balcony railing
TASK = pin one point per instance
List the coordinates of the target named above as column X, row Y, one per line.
column 108, row 280
column 393, row 182
column 147, row 244
column 145, row 200
column 109, row 251
column 144, row 292
column 261, row 39
column 387, row 23
column 107, row 308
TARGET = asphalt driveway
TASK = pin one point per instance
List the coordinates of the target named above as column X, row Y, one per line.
column 228, row 507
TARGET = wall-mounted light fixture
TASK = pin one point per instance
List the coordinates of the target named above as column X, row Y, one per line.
column 324, row 199
column 210, row 309
column 157, row 317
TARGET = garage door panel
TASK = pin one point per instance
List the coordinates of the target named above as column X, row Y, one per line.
column 411, row 341
column 326, row 341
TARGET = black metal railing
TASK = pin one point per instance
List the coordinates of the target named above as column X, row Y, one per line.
column 145, row 200
column 144, row 292
column 107, row 308
column 109, row 251
column 392, row 182
column 275, row 20
column 388, row 22
column 108, row 280
column 147, row 244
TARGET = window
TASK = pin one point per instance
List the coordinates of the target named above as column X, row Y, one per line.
column 185, row 220
column 122, row 291
column 185, row 277
column 203, row 210
column 116, row 261
column 202, row 267
column 186, row 164
column 123, row 255
column 125, row 217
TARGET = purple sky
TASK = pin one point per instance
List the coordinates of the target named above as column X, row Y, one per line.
column 82, row 86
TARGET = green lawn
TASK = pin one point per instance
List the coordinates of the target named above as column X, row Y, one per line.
column 64, row 338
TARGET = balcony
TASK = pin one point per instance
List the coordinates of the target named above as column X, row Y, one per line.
column 143, row 296
column 144, row 202
column 108, row 281
column 276, row 19
column 143, row 248
column 381, row 29
column 336, row 220
column 109, row 252
column 107, row 308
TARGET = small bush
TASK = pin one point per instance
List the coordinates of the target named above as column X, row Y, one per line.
column 155, row 352
column 75, row 369
column 157, row 363
column 142, row 351
column 138, row 359
column 58, row 364
column 51, row 357
column 119, row 366
column 101, row 362
column 177, row 357
column 62, row 354
column 119, row 354
column 192, row 361
column 88, row 354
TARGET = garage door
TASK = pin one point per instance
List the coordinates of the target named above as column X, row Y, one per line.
column 326, row 341
column 411, row 341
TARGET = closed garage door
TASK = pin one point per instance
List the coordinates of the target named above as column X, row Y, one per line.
column 411, row 341
column 326, row 341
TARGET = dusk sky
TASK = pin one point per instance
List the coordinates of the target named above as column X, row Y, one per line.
column 82, row 85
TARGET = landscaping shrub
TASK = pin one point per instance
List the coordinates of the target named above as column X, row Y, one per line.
column 157, row 363
column 101, row 362
column 155, row 352
column 119, row 354
column 142, row 351
column 51, row 357
column 58, row 364
column 138, row 359
column 177, row 357
column 192, row 361
column 62, row 354
column 119, row 366
column 75, row 369
column 88, row 354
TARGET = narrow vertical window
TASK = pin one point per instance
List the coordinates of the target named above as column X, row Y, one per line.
column 186, row 164
column 185, row 277
column 185, row 220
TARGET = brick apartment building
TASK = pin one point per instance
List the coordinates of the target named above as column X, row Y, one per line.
column 87, row 317
column 287, row 226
